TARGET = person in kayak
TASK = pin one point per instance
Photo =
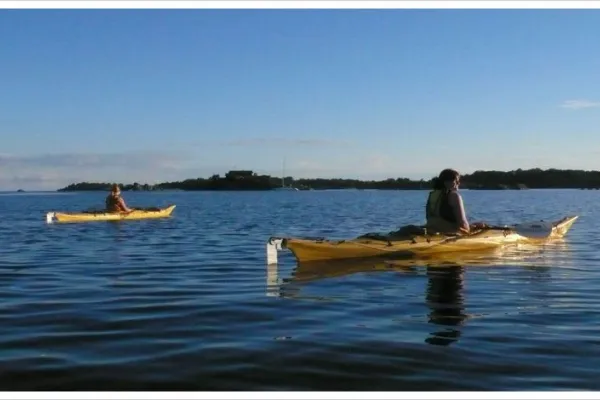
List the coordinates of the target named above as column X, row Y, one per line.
column 114, row 201
column 445, row 211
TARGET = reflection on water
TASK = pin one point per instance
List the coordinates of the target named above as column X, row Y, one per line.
column 445, row 299
column 444, row 290
column 273, row 287
column 180, row 304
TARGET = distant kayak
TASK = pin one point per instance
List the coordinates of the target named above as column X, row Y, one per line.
column 90, row 216
column 414, row 241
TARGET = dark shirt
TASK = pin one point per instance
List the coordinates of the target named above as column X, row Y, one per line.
column 439, row 206
column 113, row 203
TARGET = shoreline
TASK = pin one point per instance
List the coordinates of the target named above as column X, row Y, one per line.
column 247, row 180
column 313, row 190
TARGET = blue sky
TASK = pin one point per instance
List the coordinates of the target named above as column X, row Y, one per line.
column 154, row 95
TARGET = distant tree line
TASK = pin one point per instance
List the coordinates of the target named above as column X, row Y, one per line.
column 248, row 180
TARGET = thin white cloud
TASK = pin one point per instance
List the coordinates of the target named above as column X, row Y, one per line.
column 382, row 165
column 368, row 166
column 309, row 166
column 579, row 104
column 52, row 171
column 282, row 142
column 86, row 160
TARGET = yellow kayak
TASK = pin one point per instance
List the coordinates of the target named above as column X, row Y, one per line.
column 109, row 216
column 326, row 269
column 526, row 256
column 414, row 241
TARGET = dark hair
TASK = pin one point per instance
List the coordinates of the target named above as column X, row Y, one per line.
column 114, row 187
column 446, row 175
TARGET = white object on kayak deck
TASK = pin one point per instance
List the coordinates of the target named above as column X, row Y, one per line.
column 49, row 217
column 273, row 245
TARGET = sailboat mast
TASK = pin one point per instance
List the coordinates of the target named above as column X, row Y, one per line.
column 283, row 174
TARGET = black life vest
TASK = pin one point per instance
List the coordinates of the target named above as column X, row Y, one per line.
column 438, row 206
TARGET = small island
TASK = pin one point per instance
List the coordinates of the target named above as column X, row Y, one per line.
column 479, row 180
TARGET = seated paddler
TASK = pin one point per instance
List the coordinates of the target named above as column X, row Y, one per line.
column 445, row 211
column 114, row 201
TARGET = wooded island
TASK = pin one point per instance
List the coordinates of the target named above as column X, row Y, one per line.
column 482, row 180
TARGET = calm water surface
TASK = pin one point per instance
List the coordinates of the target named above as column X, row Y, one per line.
column 188, row 302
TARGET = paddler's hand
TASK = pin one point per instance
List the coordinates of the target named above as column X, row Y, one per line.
column 478, row 225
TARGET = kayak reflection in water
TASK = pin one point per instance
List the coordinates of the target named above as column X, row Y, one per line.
column 114, row 201
column 445, row 211
column 445, row 300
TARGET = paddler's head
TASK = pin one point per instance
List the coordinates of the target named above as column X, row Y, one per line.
column 450, row 178
column 115, row 190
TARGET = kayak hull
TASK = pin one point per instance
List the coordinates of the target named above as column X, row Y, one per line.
column 408, row 245
column 60, row 217
column 316, row 270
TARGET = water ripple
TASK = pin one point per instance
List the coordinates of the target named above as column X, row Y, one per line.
column 187, row 302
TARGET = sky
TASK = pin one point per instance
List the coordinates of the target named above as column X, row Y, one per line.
column 160, row 95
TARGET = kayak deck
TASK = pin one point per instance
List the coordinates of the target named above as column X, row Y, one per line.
column 149, row 213
column 410, row 241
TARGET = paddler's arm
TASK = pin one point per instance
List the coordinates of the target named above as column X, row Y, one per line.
column 124, row 206
column 456, row 203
